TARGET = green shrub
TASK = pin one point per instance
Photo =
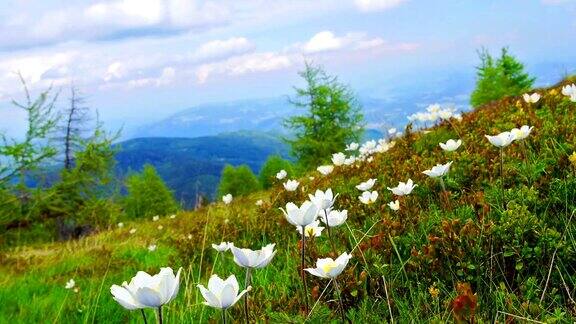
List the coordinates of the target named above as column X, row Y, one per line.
column 272, row 165
column 237, row 181
column 148, row 195
column 497, row 78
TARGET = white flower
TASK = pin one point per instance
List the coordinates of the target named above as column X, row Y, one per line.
column 338, row 158
column 323, row 199
column 573, row 97
column 367, row 185
column 70, row 284
column 433, row 116
column 120, row 225
column 172, row 216
column 132, row 231
column 155, row 218
column 352, row 146
column 300, row 216
column 335, row 217
column 433, row 108
column 522, row 132
column 329, row 268
column 451, row 145
column 160, row 227
column 445, row 114
column 227, row 199
column 325, row 169
column 281, row 174
column 311, row 230
column 145, row 290
column 458, row 117
column 391, row 131
column 501, row 140
column 291, row 185
column 253, row 259
column 222, row 294
column 222, row 247
column 531, row 98
column 394, row 205
column 368, row 197
column 189, row 236
column 259, row 202
column 439, row 170
column 403, row 188
column 569, row 90
column 368, row 147
column 350, row 160
column 152, row 247
column 125, row 294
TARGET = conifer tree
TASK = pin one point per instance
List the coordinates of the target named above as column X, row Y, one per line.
column 237, row 181
column 148, row 195
column 332, row 118
column 497, row 78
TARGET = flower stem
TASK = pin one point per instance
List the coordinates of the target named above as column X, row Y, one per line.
column 247, row 283
column 144, row 315
column 342, row 311
column 445, row 193
column 302, row 269
column 223, row 316
column 502, row 177
column 329, row 232
column 160, row 315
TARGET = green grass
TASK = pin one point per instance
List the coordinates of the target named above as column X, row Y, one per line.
column 518, row 260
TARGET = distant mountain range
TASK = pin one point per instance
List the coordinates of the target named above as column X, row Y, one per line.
column 190, row 148
column 266, row 115
column 193, row 165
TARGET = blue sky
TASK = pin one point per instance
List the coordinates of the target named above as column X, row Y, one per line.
column 142, row 60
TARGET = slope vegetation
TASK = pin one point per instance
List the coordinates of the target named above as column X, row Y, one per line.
column 489, row 248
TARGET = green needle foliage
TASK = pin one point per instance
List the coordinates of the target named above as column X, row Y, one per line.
column 273, row 165
column 18, row 157
column 237, row 181
column 148, row 195
column 497, row 78
column 332, row 118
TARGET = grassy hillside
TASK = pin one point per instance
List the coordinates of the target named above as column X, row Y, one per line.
column 462, row 256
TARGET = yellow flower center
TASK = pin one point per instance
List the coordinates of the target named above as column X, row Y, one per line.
column 329, row 266
column 573, row 159
column 310, row 231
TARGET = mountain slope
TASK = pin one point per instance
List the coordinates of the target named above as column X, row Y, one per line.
column 193, row 165
column 472, row 253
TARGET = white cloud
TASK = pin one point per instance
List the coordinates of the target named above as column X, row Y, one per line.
column 111, row 20
column 115, row 70
column 239, row 65
column 33, row 68
column 222, row 48
column 323, row 41
column 166, row 77
column 187, row 13
column 127, row 12
column 377, row 5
